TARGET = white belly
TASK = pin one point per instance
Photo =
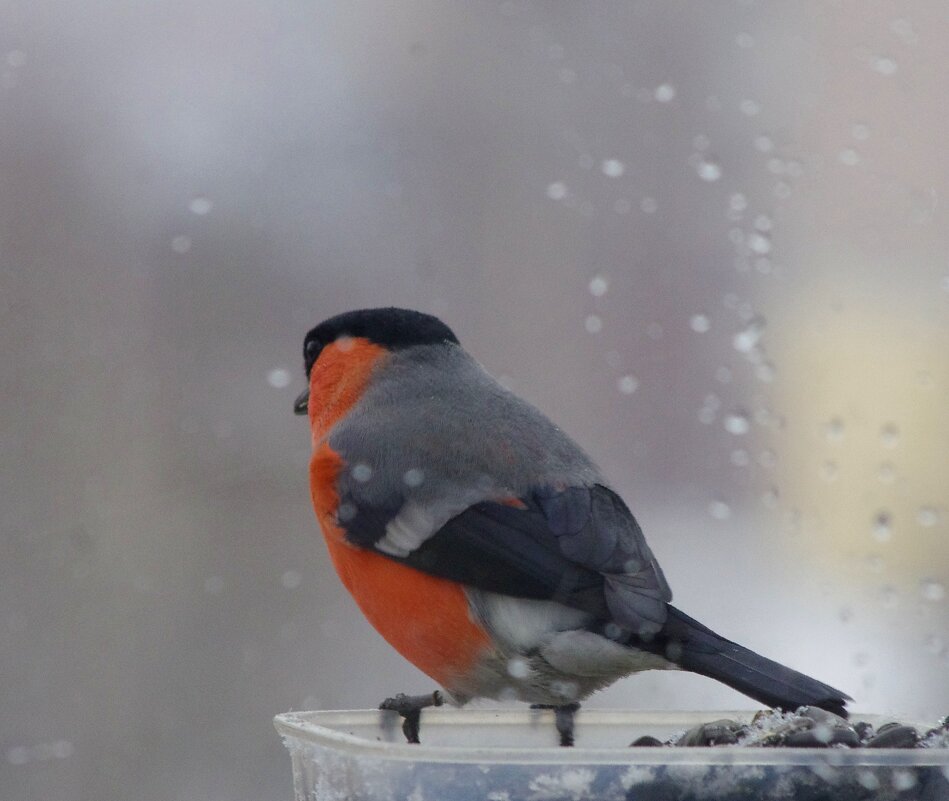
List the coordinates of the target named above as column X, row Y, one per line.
column 543, row 655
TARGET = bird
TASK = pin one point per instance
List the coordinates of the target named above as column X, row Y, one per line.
column 482, row 542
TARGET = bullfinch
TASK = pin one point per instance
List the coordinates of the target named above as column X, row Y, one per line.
column 482, row 542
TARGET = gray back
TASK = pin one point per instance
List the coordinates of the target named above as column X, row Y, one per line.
column 433, row 427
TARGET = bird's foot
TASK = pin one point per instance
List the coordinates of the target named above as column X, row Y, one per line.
column 563, row 716
column 410, row 708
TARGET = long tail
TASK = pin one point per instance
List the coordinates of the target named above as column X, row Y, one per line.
column 697, row 648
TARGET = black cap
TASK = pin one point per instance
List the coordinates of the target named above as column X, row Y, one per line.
column 391, row 328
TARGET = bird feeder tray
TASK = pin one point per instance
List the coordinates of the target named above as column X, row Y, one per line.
column 511, row 755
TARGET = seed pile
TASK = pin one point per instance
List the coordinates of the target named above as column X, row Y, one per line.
column 808, row 727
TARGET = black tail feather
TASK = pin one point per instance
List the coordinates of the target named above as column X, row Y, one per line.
column 697, row 648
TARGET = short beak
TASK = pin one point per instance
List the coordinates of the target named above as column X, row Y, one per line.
column 302, row 401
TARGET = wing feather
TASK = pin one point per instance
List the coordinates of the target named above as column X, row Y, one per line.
column 580, row 546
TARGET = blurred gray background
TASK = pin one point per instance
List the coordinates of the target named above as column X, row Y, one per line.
column 709, row 239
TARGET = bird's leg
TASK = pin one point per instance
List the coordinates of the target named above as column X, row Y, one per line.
column 410, row 708
column 563, row 716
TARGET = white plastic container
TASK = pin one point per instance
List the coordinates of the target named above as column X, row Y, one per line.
column 511, row 755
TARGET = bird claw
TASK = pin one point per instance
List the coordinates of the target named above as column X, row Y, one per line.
column 410, row 708
column 563, row 717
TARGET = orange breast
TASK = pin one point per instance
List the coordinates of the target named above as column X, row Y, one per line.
column 426, row 619
column 338, row 380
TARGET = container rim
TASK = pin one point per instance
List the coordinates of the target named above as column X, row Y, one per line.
column 322, row 728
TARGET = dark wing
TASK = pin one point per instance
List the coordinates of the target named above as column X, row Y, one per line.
column 580, row 546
